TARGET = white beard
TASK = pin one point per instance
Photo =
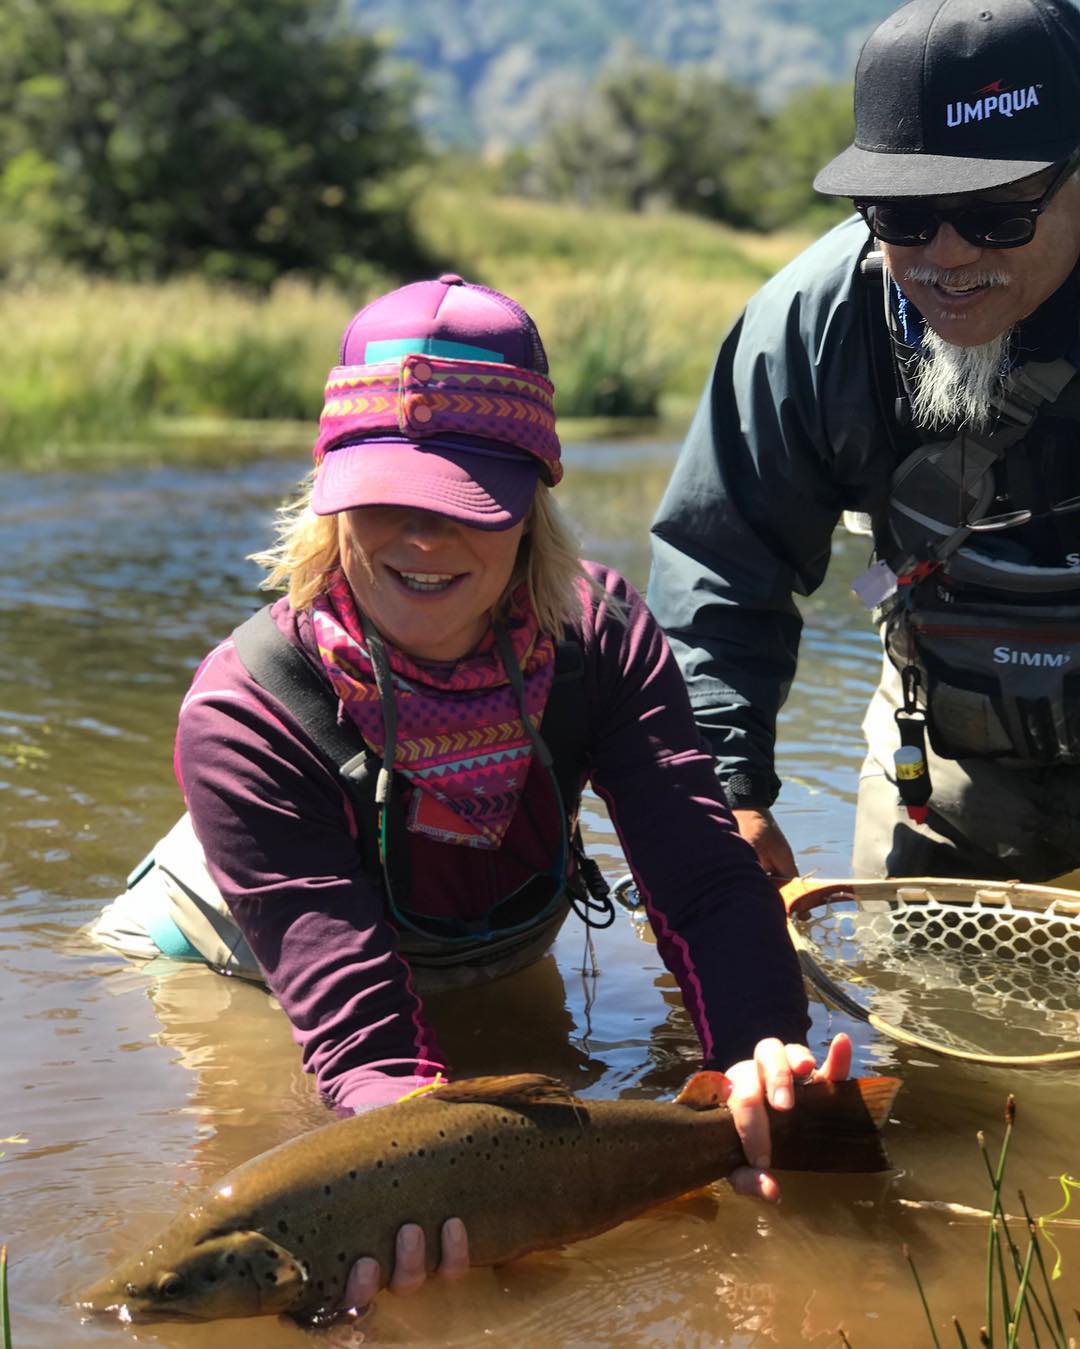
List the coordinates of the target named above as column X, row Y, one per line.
column 956, row 385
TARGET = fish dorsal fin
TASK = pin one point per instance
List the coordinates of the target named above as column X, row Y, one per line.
column 518, row 1089
column 705, row 1091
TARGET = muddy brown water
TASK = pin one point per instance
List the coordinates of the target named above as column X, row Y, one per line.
column 124, row 1087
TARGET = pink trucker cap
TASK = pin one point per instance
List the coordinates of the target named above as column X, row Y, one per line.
column 440, row 402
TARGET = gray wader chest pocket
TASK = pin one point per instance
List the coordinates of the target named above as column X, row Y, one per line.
column 999, row 682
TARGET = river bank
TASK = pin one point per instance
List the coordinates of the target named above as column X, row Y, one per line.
column 631, row 308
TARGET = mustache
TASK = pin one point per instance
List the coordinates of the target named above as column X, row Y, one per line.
column 955, row 276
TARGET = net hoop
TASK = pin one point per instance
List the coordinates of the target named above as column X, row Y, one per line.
column 802, row 897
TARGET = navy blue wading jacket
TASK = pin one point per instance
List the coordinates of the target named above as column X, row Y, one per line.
column 789, row 433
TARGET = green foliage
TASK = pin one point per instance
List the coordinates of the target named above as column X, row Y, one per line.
column 93, row 369
column 773, row 183
column 89, row 369
column 145, row 137
column 651, row 136
column 605, row 358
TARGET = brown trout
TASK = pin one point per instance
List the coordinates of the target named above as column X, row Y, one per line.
column 526, row 1165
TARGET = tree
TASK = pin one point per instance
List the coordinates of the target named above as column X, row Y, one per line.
column 653, row 136
column 250, row 138
column 774, row 184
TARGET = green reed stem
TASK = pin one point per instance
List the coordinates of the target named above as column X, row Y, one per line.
column 922, row 1294
column 960, row 1333
column 994, row 1253
column 5, row 1319
column 1057, row 1329
column 1021, row 1295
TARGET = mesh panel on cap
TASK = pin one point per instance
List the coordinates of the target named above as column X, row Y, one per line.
column 539, row 361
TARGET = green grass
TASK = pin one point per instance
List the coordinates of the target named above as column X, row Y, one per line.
column 631, row 309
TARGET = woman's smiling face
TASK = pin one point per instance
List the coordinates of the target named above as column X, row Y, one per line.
column 427, row 582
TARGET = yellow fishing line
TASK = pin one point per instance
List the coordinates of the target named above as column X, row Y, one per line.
column 1068, row 1185
column 439, row 1081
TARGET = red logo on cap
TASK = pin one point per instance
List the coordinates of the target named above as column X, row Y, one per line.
column 994, row 88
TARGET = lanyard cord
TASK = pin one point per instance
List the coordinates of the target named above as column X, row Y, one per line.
column 384, row 684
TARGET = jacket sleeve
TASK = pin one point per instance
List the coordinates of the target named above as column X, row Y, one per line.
column 778, row 448
column 281, row 844
column 719, row 922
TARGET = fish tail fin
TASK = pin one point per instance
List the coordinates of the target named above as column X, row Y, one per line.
column 834, row 1126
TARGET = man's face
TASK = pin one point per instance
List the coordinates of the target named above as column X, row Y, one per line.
column 970, row 295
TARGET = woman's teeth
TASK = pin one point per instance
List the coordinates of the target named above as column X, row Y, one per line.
column 426, row 580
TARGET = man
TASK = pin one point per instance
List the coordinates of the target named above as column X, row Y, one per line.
column 922, row 374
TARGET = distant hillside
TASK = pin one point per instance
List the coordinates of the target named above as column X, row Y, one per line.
column 494, row 71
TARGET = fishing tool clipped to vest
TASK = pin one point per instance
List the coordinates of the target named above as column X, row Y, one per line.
column 909, row 759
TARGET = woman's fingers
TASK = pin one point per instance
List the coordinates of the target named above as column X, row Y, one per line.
column 837, row 1065
column 410, row 1259
column 362, row 1284
column 410, row 1262
column 455, row 1249
column 756, row 1184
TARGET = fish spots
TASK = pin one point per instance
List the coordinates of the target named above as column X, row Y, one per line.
column 378, row 1166
column 468, row 1138
column 282, row 1226
column 271, row 1276
column 342, row 1257
column 442, row 1133
column 395, row 1182
column 420, row 1152
column 352, row 1175
column 393, row 1142
column 230, row 1259
column 326, row 1189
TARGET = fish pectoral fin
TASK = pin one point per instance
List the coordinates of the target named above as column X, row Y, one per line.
column 705, row 1091
column 517, row 1089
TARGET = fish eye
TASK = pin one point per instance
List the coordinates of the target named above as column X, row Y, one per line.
column 131, row 1289
column 170, row 1285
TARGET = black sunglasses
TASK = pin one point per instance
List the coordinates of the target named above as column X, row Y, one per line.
column 990, row 224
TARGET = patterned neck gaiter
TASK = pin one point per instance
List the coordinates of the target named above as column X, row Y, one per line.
column 460, row 741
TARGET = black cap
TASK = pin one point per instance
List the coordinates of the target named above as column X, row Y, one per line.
column 959, row 96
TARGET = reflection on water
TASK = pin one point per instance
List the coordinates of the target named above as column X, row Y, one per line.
column 126, row 1087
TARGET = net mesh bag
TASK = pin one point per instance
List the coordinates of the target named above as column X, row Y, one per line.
column 969, row 970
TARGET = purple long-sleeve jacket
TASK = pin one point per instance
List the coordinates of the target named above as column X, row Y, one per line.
column 281, row 842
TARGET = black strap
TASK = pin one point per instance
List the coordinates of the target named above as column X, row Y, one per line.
column 285, row 671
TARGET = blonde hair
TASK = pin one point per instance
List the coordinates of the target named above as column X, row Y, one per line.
column 307, row 556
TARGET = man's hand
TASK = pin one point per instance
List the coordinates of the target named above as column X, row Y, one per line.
column 773, row 850
column 410, row 1263
column 770, row 1076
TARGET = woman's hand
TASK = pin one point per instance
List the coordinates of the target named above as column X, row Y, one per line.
column 767, row 839
column 770, row 1076
column 410, row 1263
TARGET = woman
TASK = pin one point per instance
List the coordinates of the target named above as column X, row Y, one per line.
column 435, row 592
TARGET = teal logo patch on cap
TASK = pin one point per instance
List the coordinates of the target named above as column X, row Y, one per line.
column 428, row 346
